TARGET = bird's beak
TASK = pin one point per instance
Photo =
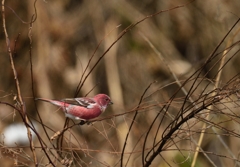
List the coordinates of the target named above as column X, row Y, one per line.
column 110, row 102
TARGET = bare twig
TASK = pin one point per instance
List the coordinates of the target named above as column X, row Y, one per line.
column 22, row 104
column 205, row 104
column 215, row 87
column 126, row 30
column 134, row 117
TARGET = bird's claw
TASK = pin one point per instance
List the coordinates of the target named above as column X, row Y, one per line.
column 82, row 122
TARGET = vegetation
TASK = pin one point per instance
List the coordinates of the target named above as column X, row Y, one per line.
column 170, row 67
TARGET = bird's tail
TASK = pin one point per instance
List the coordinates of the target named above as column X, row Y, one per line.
column 55, row 102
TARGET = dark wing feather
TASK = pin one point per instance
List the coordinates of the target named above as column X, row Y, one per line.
column 84, row 101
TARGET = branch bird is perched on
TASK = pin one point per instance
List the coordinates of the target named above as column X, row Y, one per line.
column 82, row 108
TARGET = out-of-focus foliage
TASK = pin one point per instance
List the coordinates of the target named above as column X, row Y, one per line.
column 67, row 34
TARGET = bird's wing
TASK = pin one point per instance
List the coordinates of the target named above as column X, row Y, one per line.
column 82, row 101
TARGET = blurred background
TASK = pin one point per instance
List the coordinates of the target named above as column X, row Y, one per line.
column 69, row 36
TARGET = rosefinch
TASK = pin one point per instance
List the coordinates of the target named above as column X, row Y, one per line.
column 83, row 108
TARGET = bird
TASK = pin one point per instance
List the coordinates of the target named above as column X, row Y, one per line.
column 82, row 108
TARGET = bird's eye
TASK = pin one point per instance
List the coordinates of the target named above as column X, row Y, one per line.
column 107, row 99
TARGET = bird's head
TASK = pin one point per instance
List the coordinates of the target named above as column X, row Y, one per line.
column 103, row 100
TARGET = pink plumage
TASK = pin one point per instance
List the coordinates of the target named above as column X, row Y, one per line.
column 83, row 108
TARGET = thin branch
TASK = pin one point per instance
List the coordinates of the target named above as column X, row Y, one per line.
column 133, row 120
column 126, row 30
column 215, row 87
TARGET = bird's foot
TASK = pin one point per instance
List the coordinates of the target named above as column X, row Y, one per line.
column 82, row 122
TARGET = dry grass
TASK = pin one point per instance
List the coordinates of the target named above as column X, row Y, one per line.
column 170, row 67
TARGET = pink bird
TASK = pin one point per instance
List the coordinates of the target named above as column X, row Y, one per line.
column 82, row 108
